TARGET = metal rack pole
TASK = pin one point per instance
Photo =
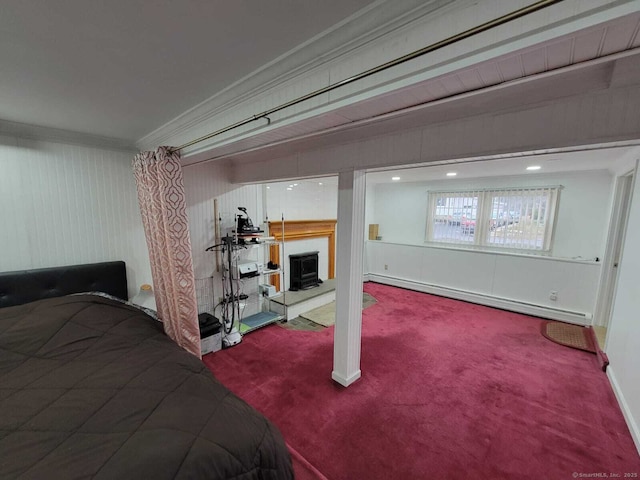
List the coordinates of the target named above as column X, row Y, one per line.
column 284, row 278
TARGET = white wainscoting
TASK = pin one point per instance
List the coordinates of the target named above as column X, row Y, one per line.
column 623, row 402
column 512, row 282
column 204, row 183
column 623, row 335
column 69, row 204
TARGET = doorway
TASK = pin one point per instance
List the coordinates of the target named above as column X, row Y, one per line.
column 615, row 240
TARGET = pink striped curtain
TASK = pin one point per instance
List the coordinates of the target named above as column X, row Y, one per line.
column 164, row 217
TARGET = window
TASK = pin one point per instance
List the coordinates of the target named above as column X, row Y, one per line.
column 512, row 218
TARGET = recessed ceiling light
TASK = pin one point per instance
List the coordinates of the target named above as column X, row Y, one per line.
column 295, row 184
column 289, row 188
column 268, row 187
column 534, row 167
column 319, row 183
column 451, row 174
column 395, row 179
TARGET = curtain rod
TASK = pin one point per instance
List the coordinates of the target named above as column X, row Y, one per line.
column 516, row 14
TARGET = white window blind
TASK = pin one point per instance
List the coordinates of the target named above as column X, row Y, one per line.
column 513, row 218
column 453, row 216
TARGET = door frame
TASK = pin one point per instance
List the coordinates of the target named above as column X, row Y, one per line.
column 623, row 189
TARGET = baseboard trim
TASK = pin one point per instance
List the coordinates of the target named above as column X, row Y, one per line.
column 346, row 381
column 577, row 318
column 626, row 411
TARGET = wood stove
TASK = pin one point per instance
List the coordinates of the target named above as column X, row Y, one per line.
column 304, row 271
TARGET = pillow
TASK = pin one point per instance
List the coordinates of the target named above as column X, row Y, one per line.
column 152, row 313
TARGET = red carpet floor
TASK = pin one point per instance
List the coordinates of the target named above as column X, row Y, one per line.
column 449, row 390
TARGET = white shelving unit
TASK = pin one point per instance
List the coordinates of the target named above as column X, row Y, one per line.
column 265, row 316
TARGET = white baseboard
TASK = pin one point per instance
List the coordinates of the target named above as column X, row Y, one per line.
column 626, row 412
column 577, row 318
column 346, row 381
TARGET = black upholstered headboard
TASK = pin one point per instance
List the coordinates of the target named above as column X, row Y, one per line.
column 27, row 286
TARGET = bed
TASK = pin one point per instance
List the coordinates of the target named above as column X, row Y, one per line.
column 91, row 387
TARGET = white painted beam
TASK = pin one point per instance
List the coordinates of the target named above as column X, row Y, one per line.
column 423, row 27
column 348, row 329
column 601, row 117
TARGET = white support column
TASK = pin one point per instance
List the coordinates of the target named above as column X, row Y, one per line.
column 350, row 240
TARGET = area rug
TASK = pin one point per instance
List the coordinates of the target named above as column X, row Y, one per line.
column 300, row 323
column 573, row 336
column 326, row 314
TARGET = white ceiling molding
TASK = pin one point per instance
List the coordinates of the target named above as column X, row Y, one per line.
column 626, row 163
column 56, row 135
column 437, row 104
column 502, row 42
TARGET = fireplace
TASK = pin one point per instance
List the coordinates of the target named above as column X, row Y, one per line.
column 304, row 271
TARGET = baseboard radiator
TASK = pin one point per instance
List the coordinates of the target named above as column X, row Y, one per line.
column 578, row 318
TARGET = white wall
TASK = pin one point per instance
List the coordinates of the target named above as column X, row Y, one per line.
column 206, row 181
column 68, row 204
column 203, row 183
column 401, row 211
column 583, row 210
column 623, row 336
column 315, row 199
column 518, row 283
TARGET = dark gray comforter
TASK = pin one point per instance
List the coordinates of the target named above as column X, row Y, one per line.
column 90, row 388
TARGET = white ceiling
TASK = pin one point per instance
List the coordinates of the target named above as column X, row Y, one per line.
column 580, row 160
column 122, row 68
column 611, row 159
